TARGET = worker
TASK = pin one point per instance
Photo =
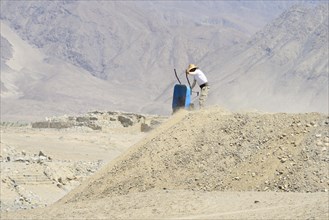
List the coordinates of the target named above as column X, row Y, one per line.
column 201, row 79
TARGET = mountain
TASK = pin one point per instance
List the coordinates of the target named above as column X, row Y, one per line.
column 34, row 85
column 283, row 67
column 120, row 55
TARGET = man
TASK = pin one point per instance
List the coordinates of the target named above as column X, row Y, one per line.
column 202, row 81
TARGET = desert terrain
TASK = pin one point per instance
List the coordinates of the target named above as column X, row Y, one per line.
column 204, row 164
column 42, row 161
column 79, row 56
column 61, row 59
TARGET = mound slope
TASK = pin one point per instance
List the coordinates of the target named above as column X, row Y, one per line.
column 215, row 150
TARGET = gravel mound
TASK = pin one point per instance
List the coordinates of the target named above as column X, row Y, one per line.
column 215, row 150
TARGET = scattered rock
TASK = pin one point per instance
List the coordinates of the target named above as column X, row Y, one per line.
column 125, row 121
column 42, row 154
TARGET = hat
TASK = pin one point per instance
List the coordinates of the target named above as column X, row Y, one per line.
column 191, row 66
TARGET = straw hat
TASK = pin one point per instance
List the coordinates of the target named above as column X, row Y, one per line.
column 191, row 66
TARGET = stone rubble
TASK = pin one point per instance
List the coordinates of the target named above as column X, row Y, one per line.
column 20, row 169
column 101, row 120
column 39, row 168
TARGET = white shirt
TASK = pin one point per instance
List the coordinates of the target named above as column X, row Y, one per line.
column 199, row 77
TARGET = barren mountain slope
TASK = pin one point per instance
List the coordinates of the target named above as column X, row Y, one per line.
column 213, row 150
column 122, row 42
column 99, row 36
column 120, row 55
column 132, row 46
column 283, row 68
column 35, row 86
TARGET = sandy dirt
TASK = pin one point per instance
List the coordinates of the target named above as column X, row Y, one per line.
column 41, row 165
column 208, row 164
column 189, row 205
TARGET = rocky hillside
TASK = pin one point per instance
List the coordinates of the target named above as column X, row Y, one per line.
column 216, row 150
column 102, row 37
column 282, row 68
column 119, row 55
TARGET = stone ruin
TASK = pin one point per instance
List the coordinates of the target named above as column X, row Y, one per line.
column 99, row 120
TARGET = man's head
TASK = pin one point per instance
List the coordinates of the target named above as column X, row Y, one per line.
column 191, row 68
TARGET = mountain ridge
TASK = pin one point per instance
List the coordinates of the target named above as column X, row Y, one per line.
column 142, row 54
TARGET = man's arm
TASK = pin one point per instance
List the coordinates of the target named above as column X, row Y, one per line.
column 193, row 84
column 191, row 73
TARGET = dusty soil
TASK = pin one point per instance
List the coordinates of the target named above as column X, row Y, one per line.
column 210, row 164
column 41, row 165
column 183, row 204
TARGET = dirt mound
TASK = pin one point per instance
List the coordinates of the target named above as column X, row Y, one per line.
column 215, row 150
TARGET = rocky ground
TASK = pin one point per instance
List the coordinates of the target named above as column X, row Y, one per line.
column 219, row 151
column 43, row 161
column 211, row 164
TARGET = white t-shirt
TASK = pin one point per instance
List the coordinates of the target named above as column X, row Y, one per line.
column 199, row 77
